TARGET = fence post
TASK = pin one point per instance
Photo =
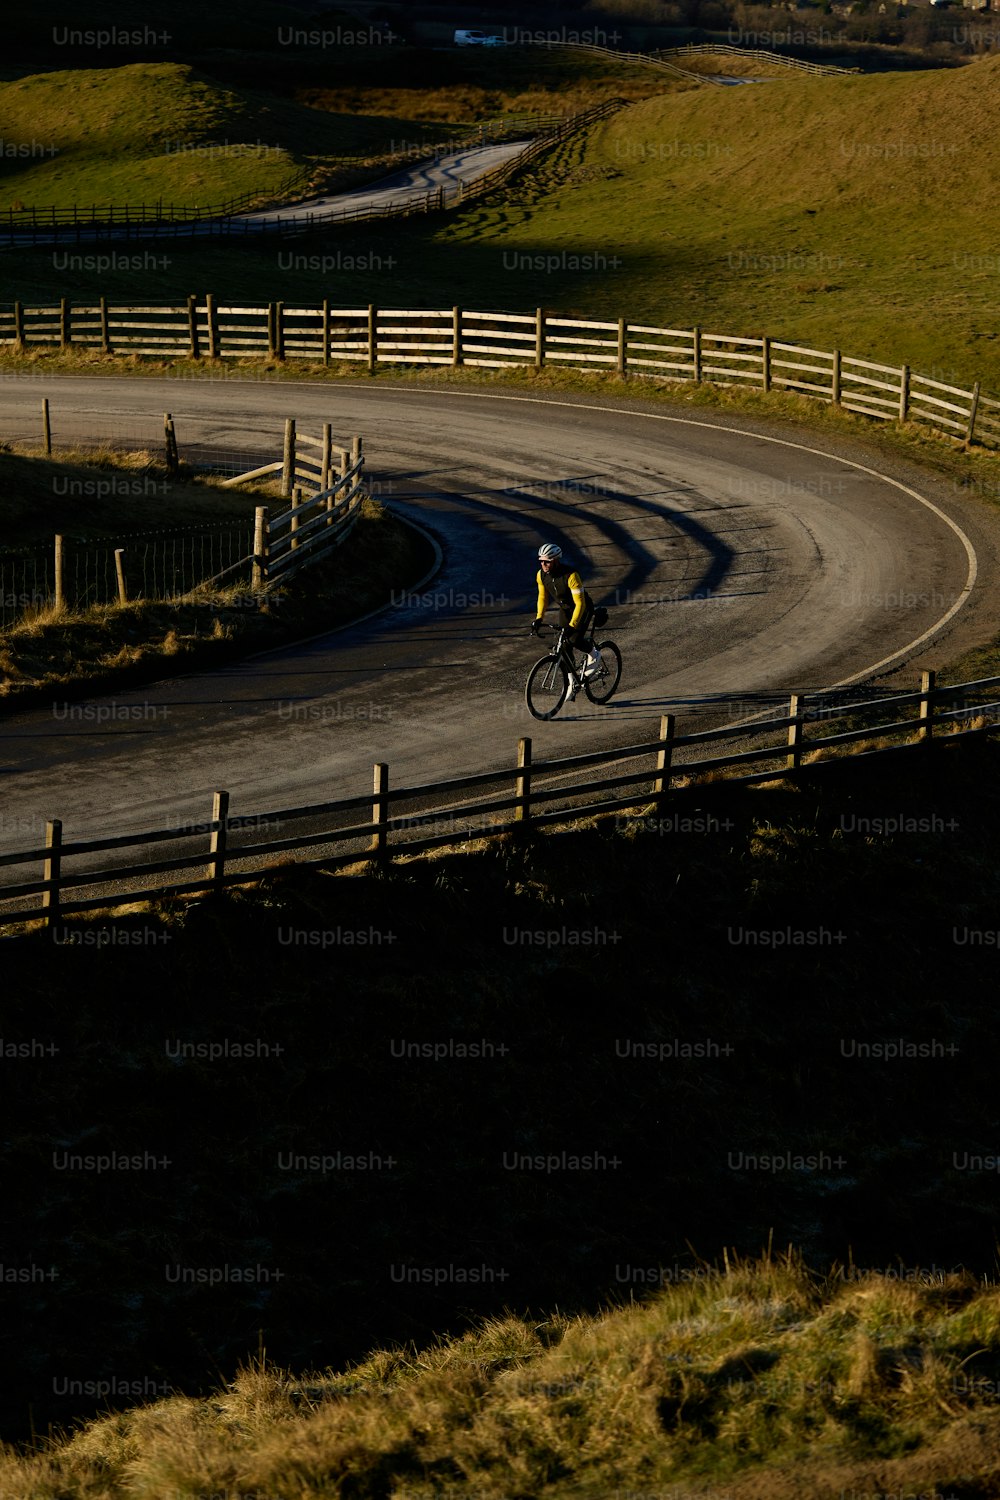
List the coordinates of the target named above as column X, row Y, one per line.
column 972, row 414
column 105, row 327
column 58, row 574
column 456, row 337
column 372, row 338
column 52, row 868
column 192, row 307
column 120, row 571
column 927, row 681
column 279, row 330
column 836, row 376
column 664, row 756
column 170, row 443
column 622, row 348
column 697, row 352
column 217, row 839
column 258, row 574
column 46, row 427
column 343, row 464
column 326, row 330
column 765, row 350
column 213, row 325
column 539, row 339
column 357, row 448
column 794, row 759
column 522, row 788
column 904, row 392
column 294, row 523
column 288, row 459
column 19, row 325
column 65, row 328
column 270, row 330
column 380, row 810
column 325, row 452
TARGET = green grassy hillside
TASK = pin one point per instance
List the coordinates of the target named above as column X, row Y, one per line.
column 160, row 130
column 840, row 212
column 761, row 1380
column 843, row 212
column 154, row 131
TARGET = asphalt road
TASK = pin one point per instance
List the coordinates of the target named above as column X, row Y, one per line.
column 738, row 566
column 398, row 192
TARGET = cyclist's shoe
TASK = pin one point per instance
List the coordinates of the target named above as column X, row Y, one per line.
column 574, row 688
column 592, row 668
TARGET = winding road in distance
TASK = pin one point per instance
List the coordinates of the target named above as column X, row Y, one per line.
column 739, row 564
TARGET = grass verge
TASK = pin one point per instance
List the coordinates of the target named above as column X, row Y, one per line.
column 75, row 652
column 758, row 1370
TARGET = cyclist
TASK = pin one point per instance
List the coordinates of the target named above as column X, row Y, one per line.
column 561, row 584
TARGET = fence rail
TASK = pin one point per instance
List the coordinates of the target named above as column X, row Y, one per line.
column 759, row 54
column 528, row 794
column 374, row 336
column 127, row 214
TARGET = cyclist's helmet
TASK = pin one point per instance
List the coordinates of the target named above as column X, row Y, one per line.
column 549, row 552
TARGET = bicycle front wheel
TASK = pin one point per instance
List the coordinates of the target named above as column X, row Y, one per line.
column 546, row 688
column 600, row 687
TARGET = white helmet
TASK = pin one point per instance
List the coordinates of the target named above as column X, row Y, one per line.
column 549, row 552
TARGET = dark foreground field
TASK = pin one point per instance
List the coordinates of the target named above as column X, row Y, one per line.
column 338, row 1112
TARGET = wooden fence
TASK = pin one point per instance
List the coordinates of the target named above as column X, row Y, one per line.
column 326, row 490
column 724, row 49
column 373, row 336
column 646, row 59
column 529, row 794
column 659, row 58
column 128, row 215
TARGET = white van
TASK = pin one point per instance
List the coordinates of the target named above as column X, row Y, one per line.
column 477, row 39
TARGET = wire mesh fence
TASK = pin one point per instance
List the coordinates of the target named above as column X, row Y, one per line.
column 162, row 564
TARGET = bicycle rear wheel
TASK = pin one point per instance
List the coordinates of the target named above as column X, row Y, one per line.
column 546, row 688
column 600, row 688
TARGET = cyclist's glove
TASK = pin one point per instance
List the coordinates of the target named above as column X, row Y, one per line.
column 536, row 626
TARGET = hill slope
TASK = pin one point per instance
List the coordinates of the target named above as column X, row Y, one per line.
column 841, row 211
column 152, row 131
column 762, row 1379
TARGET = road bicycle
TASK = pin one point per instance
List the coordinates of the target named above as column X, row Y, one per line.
column 557, row 675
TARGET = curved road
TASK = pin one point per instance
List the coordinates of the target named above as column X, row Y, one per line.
column 739, row 565
column 403, row 191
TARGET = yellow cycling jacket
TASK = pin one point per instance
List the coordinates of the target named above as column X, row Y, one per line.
column 564, row 587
